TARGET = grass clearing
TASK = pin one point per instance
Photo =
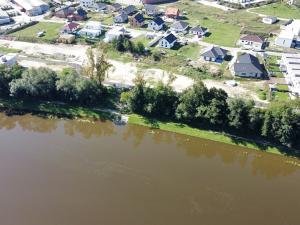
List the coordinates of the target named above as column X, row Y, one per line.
column 205, row 134
column 281, row 10
column 5, row 50
column 30, row 33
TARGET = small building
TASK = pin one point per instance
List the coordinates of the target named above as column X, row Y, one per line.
column 215, row 54
column 100, row 7
column 137, row 20
column 114, row 34
column 151, row 10
column 66, row 38
column 156, row 24
column 79, row 14
column 115, row 7
column 248, row 65
column 179, row 27
column 9, row 59
column 130, row 10
column 269, row 19
column 250, row 41
column 4, row 18
column 199, row 31
column 121, row 18
column 70, row 28
column 91, row 29
column 64, row 12
column 167, row 41
column 32, row 7
column 172, row 12
column 87, row 3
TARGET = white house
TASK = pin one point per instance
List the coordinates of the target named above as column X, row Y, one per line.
column 179, row 26
column 87, row 3
column 115, row 33
column 4, row 18
column 91, row 29
column 199, row 31
column 250, row 41
column 290, row 65
column 32, row 7
column 9, row 59
column 121, row 18
column 269, row 19
column 167, row 41
column 156, row 24
column 288, row 34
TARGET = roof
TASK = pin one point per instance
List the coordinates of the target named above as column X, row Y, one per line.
column 150, row 7
column 199, row 29
column 116, row 6
column 30, row 4
column 139, row 18
column 170, row 38
column 71, row 26
column 271, row 17
column 247, row 63
column 101, row 5
column 253, row 38
column 123, row 15
column 172, row 11
column 130, row 9
column 180, row 25
column 81, row 12
column 159, row 21
column 215, row 52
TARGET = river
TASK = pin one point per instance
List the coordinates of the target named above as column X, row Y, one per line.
column 64, row 172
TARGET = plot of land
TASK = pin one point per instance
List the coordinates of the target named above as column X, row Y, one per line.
column 51, row 32
column 280, row 10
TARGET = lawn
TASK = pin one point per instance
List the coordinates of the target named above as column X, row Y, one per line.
column 281, row 10
column 272, row 66
column 205, row 134
column 30, row 33
column 5, row 50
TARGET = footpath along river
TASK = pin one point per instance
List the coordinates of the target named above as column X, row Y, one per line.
column 67, row 172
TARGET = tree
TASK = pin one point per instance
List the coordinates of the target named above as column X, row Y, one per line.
column 8, row 74
column 35, row 83
column 136, row 100
column 256, row 118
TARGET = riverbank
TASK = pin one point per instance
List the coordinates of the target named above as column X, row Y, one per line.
column 210, row 135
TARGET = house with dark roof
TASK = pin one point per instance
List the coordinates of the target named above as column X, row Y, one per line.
column 199, row 31
column 151, row 10
column 64, row 12
column 248, row 65
column 137, row 20
column 79, row 14
column 156, row 24
column 130, row 10
column 70, row 28
column 101, row 7
column 215, row 54
column 179, row 26
column 115, row 7
column 250, row 41
column 121, row 18
column 167, row 41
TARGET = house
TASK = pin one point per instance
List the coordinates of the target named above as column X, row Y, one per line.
column 32, row 7
column 4, row 18
column 130, row 10
column 137, row 20
column 248, row 65
column 179, row 26
column 66, row 38
column 87, row 3
column 290, row 66
column 121, row 18
column 215, row 54
column 269, row 19
column 9, row 59
column 64, row 12
column 151, row 10
column 91, row 29
column 250, row 41
column 172, row 12
column 289, row 35
column 156, row 24
column 70, row 28
column 115, row 33
column 199, row 31
column 79, row 14
column 100, row 7
column 167, row 41
column 115, row 7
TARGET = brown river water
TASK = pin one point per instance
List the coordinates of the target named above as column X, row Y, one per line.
column 63, row 172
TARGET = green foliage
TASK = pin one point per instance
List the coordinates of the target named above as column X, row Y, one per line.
column 7, row 74
column 126, row 45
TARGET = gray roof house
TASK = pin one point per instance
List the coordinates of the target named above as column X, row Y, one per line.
column 156, row 24
column 151, row 10
column 168, row 41
column 179, row 26
column 130, row 10
column 215, row 54
column 121, row 18
column 115, row 7
column 248, row 65
column 198, row 30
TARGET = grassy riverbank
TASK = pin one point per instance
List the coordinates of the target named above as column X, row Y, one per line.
column 205, row 134
column 56, row 109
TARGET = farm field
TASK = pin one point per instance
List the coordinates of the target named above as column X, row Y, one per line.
column 280, row 10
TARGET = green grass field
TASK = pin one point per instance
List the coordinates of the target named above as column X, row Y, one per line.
column 51, row 32
column 205, row 134
column 280, row 10
column 6, row 50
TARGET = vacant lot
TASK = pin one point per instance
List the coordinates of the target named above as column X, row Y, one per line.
column 30, row 33
column 280, row 10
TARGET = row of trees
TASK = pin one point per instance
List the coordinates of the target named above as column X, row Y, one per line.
column 211, row 108
column 124, row 44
